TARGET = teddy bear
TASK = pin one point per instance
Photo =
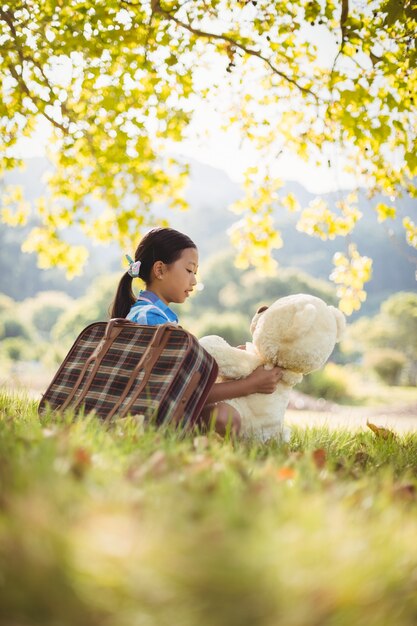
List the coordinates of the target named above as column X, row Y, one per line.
column 297, row 333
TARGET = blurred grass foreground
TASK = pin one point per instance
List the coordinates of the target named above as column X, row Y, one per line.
column 126, row 526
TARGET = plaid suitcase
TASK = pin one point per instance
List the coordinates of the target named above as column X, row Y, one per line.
column 119, row 368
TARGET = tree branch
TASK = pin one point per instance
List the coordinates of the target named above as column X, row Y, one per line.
column 8, row 18
column 35, row 99
column 156, row 8
column 343, row 19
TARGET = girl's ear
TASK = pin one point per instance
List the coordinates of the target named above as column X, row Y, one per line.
column 158, row 269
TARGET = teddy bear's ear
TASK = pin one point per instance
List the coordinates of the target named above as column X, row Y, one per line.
column 340, row 322
column 303, row 319
column 257, row 317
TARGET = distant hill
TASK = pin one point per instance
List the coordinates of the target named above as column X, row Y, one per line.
column 210, row 192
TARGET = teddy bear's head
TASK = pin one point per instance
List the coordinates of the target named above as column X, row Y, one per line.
column 297, row 332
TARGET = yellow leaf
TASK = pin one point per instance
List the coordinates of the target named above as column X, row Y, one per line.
column 410, row 231
column 383, row 433
column 291, row 203
column 17, row 217
column 384, row 212
column 350, row 274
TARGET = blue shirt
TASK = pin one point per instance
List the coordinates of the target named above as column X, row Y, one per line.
column 151, row 311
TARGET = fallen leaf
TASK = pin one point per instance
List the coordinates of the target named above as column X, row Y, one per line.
column 81, row 455
column 285, row 473
column 406, row 492
column 383, row 433
column 319, row 457
column 81, row 462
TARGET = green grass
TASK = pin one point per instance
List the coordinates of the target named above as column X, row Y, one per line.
column 121, row 526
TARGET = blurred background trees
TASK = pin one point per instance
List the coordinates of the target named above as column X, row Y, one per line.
column 41, row 329
column 389, row 340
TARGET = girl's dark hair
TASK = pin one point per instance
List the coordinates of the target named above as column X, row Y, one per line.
column 160, row 244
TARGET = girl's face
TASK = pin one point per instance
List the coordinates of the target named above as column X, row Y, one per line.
column 178, row 279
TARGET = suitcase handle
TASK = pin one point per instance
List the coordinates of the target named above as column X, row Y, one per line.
column 116, row 322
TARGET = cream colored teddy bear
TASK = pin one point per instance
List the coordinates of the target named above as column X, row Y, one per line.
column 298, row 333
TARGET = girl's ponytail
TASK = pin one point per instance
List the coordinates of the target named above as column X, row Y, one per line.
column 124, row 297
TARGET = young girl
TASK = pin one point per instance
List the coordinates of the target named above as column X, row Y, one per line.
column 167, row 262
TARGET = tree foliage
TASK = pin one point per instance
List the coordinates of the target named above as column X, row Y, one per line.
column 329, row 383
column 119, row 82
column 93, row 306
column 44, row 309
column 387, row 363
column 394, row 328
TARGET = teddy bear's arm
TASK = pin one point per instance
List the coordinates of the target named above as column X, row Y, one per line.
column 233, row 363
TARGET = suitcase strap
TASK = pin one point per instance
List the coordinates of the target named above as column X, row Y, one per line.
column 191, row 388
column 111, row 333
column 146, row 363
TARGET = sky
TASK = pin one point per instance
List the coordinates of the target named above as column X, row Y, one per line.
column 225, row 152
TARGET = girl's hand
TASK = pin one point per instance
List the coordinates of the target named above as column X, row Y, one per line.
column 264, row 381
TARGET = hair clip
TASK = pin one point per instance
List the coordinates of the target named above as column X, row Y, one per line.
column 134, row 267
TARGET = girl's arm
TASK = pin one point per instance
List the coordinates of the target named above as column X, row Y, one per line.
column 259, row 381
